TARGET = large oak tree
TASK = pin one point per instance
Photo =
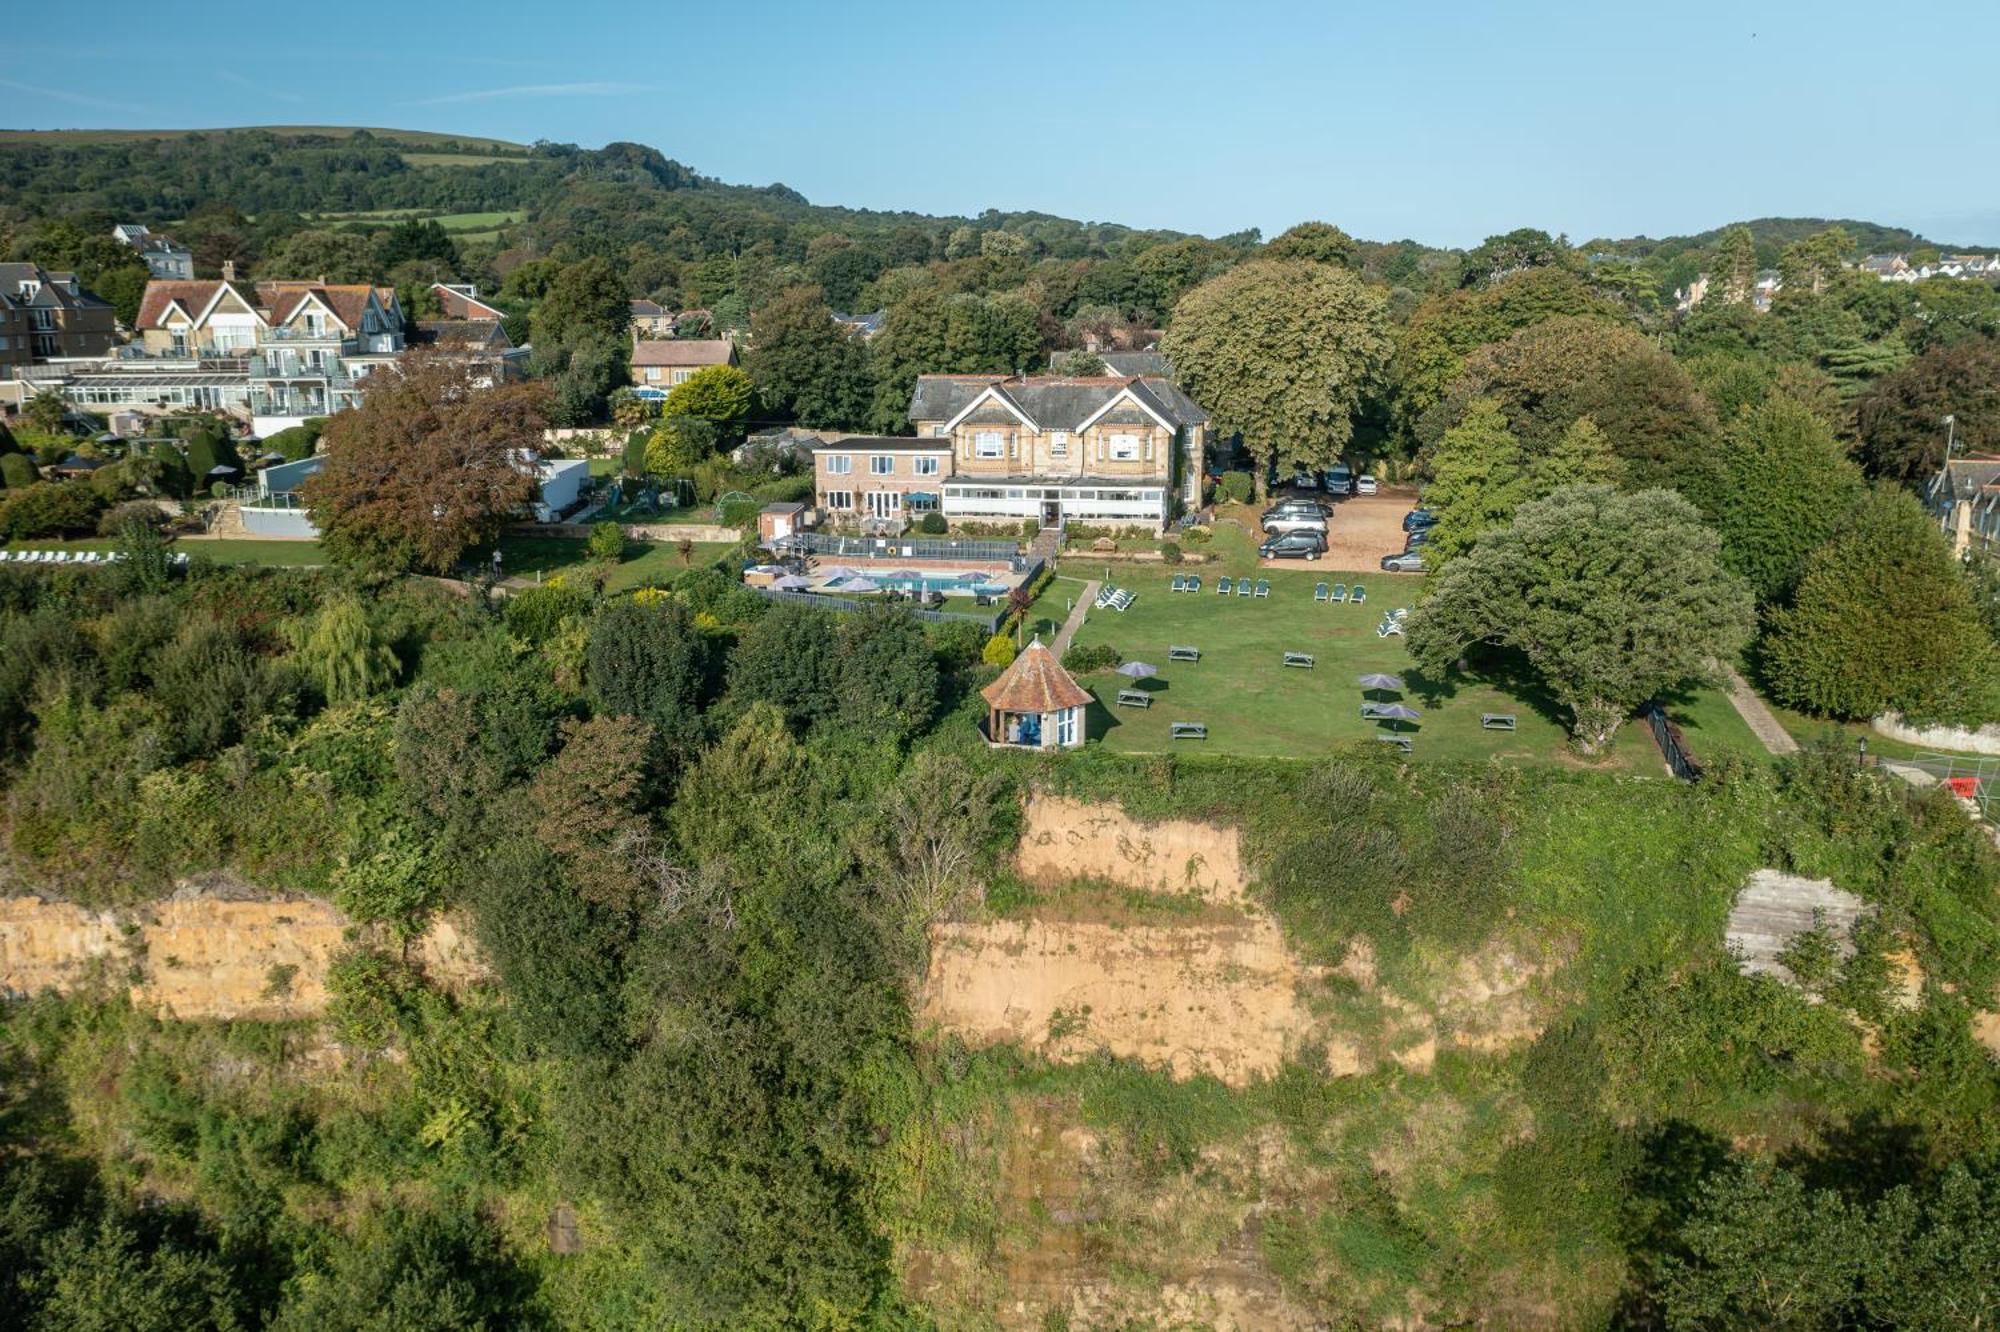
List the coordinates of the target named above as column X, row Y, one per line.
column 1612, row 599
column 1284, row 352
column 426, row 467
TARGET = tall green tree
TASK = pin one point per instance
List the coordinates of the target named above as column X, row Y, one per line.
column 586, row 300
column 1499, row 257
column 1732, row 267
column 1611, row 598
column 1579, row 456
column 806, row 367
column 651, row 663
column 1316, row 242
column 1548, row 375
column 1478, row 478
column 678, row 445
column 718, row 394
column 1808, row 267
column 1787, row 483
column 1882, row 620
column 1284, row 352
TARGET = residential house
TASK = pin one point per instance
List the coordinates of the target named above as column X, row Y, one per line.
column 54, row 317
column 484, row 343
column 460, row 300
column 1035, row 704
column 650, row 319
column 658, row 365
column 304, row 346
column 165, row 257
column 881, row 477
column 1965, row 496
column 1114, row 450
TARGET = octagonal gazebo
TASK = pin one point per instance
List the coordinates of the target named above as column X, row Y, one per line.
column 1035, row 704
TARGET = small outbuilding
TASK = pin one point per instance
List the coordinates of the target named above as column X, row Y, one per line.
column 1035, row 704
column 775, row 522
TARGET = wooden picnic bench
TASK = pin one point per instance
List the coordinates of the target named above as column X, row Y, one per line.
column 1182, row 652
column 1496, row 721
column 1299, row 659
column 1189, row 731
column 1401, row 742
column 1134, row 698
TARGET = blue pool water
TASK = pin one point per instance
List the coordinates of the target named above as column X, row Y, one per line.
column 966, row 584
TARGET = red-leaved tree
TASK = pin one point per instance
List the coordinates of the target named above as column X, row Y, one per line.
column 427, row 466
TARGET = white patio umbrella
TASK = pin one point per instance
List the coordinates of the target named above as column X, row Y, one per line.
column 1137, row 670
column 792, row 583
column 857, row 585
column 1380, row 681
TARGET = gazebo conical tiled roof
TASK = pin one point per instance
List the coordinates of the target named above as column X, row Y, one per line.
column 1035, row 682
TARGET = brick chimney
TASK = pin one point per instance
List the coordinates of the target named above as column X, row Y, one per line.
column 229, row 270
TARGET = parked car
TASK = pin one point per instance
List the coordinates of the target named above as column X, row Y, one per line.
column 1301, row 504
column 1364, row 484
column 1417, row 519
column 1410, row 561
column 1339, row 479
column 1420, row 537
column 1294, row 546
column 1294, row 520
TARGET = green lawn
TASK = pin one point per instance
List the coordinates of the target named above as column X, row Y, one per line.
column 645, row 564
column 1255, row 705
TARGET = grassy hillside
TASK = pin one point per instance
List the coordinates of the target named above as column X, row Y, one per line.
column 427, row 139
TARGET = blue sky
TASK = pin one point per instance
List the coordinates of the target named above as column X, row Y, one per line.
column 1443, row 122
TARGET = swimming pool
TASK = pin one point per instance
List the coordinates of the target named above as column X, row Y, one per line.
column 951, row 585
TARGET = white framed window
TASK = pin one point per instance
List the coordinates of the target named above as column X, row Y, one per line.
column 1059, row 444
column 652, row 374
column 1124, row 448
column 925, row 466
column 1066, row 726
column 839, row 464
column 986, row 444
column 939, row 432
column 881, row 464
column 839, row 499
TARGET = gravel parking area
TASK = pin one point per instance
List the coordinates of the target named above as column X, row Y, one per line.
column 1362, row 530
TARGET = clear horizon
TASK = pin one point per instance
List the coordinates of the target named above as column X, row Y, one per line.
column 1552, row 115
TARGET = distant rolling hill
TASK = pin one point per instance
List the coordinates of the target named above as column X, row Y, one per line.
column 424, row 139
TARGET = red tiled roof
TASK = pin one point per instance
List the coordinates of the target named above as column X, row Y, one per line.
column 160, row 295
column 347, row 300
column 681, row 352
column 1036, row 682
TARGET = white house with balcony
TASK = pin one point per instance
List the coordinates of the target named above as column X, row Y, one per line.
column 302, row 347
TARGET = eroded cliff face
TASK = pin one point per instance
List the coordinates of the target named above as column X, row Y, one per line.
column 211, row 950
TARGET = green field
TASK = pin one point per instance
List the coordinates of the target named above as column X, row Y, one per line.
column 459, row 224
column 453, row 159
column 644, row 565
column 1255, row 705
